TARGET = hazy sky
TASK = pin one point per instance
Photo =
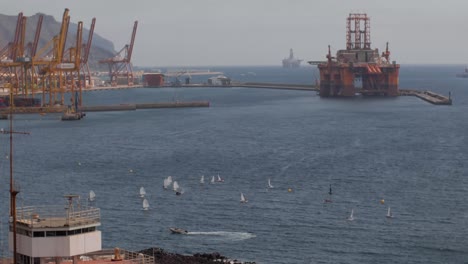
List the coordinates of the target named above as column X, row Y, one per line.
column 260, row 32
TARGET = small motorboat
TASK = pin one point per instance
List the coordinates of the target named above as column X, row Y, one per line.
column 176, row 230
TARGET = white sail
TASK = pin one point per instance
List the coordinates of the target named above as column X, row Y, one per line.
column 269, row 184
column 351, row 216
column 175, row 186
column 220, row 179
column 142, row 192
column 389, row 213
column 243, row 199
column 202, row 179
column 145, row 204
column 213, row 179
column 92, row 196
column 167, row 182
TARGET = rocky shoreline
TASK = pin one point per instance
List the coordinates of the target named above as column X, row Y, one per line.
column 163, row 257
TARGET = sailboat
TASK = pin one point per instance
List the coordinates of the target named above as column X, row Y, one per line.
column 329, row 200
column 243, row 199
column 389, row 213
column 167, row 182
column 351, row 217
column 176, row 188
column 269, row 184
column 92, row 196
column 145, row 205
column 219, row 179
column 202, row 179
column 142, row 192
column 213, row 180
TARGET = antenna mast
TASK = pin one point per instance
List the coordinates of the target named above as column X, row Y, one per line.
column 14, row 190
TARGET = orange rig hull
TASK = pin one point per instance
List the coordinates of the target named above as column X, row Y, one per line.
column 345, row 79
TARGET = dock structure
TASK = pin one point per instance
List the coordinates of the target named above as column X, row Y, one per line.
column 428, row 96
column 99, row 108
column 305, row 87
column 132, row 107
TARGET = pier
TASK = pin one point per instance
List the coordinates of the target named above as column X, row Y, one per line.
column 99, row 108
column 132, row 107
column 428, row 96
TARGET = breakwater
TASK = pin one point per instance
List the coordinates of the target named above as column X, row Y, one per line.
column 428, row 96
column 98, row 108
column 130, row 107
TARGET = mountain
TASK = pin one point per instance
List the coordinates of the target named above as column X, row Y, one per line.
column 100, row 48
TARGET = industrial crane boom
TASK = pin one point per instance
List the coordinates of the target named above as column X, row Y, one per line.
column 90, row 39
column 79, row 41
column 130, row 49
column 17, row 36
column 62, row 38
column 36, row 36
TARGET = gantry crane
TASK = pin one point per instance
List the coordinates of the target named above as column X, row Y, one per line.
column 120, row 65
column 85, row 72
column 53, row 67
column 13, row 59
column 48, row 64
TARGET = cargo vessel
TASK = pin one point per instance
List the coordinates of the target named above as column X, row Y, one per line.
column 153, row 79
column 20, row 102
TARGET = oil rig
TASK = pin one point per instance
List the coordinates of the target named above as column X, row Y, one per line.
column 358, row 69
column 291, row 62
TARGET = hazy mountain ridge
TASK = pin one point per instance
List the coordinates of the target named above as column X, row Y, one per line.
column 100, row 48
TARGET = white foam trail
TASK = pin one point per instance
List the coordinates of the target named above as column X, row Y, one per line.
column 233, row 236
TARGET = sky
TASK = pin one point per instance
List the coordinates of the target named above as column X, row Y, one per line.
column 261, row 32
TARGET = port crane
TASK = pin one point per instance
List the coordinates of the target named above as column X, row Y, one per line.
column 84, row 69
column 120, row 65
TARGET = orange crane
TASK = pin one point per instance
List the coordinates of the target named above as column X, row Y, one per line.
column 46, row 61
column 71, row 65
column 86, row 73
column 120, row 64
column 32, row 53
column 13, row 57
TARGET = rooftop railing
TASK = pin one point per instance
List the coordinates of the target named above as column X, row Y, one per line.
column 57, row 216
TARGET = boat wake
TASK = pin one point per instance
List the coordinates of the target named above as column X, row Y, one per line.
column 232, row 236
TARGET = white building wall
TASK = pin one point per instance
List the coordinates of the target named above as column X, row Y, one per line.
column 65, row 246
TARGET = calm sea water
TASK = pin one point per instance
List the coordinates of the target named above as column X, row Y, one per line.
column 403, row 150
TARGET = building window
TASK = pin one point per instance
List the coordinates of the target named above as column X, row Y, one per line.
column 39, row 234
column 61, row 233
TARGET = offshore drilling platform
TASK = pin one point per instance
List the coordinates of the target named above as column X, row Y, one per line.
column 358, row 69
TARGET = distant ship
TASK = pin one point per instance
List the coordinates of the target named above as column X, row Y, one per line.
column 464, row 74
column 291, row 62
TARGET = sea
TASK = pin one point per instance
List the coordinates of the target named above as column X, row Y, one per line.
column 375, row 153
